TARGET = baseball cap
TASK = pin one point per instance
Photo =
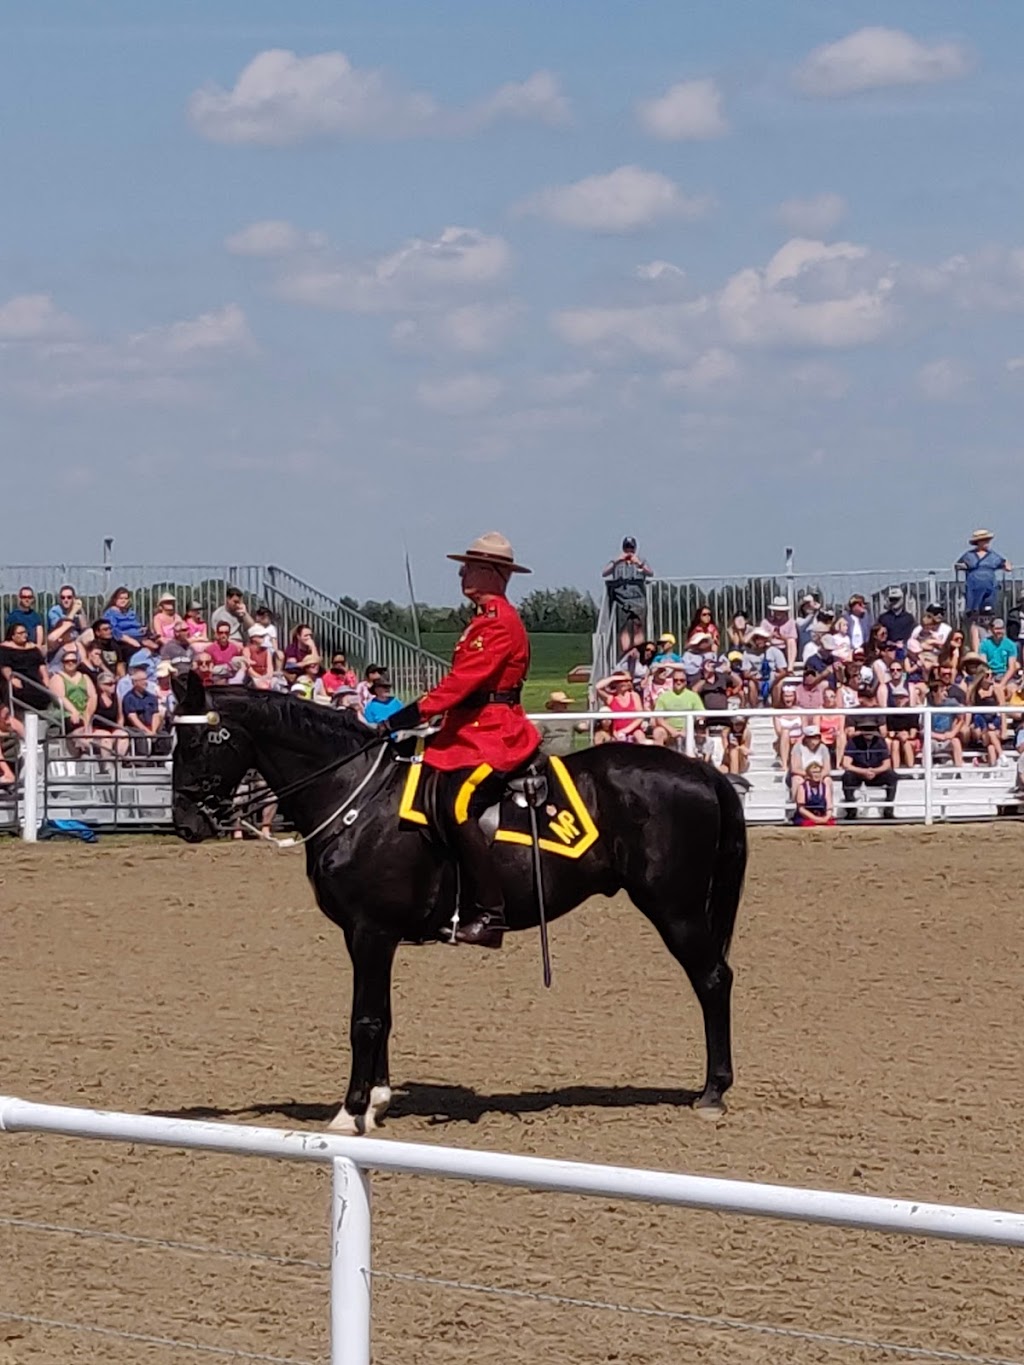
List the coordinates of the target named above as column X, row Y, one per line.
column 195, row 606
column 935, row 609
column 291, row 665
column 812, row 729
column 666, row 637
column 165, row 669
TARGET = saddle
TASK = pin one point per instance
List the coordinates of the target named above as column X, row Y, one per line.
column 565, row 825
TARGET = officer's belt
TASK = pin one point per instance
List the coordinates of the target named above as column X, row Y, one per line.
column 511, row 697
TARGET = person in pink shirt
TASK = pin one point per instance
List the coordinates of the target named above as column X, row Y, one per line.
column 224, row 651
column 198, row 631
column 259, row 658
column 338, row 675
column 165, row 618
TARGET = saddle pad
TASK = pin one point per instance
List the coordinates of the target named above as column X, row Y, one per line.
column 564, row 824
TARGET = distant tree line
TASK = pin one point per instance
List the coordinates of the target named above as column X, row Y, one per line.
column 545, row 610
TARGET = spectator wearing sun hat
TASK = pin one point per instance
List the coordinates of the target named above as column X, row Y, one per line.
column 781, row 628
column 556, row 737
column 667, row 649
column 165, row 618
column 699, row 649
column 980, row 564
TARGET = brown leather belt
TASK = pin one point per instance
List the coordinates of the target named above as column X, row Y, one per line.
column 476, row 699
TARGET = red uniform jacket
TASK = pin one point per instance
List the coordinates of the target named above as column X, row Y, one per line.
column 492, row 655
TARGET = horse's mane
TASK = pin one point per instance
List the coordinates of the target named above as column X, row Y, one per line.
column 323, row 726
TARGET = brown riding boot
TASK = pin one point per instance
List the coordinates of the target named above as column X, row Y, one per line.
column 486, row 929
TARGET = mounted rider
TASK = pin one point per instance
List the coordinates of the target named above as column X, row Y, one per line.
column 484, row 735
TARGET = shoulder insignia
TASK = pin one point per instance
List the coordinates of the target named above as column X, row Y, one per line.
column 491, row 611
column 477, row 643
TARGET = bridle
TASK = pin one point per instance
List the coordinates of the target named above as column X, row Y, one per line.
column 220, row 812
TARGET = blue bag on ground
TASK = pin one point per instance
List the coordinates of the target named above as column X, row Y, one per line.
column 66, row 829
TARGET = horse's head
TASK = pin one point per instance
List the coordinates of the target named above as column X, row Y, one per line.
column 211, row 756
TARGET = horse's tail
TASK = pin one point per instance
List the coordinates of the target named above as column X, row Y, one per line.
column 730, row 866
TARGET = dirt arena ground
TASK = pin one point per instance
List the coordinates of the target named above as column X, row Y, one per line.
column 878, row 1029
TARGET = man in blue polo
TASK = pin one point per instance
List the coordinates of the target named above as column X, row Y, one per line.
column 1000, row 653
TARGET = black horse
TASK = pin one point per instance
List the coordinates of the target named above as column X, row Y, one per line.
column 671, row 834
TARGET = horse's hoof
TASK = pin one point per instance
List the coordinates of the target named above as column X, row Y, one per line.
column 351, row 1125
column 712, row 1110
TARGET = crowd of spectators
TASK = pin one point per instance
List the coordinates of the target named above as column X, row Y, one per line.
column 107, row 684
column 863, row 679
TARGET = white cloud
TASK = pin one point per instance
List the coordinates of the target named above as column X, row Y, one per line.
column 35, row 317
column 714, row 369
column 273, row 237
column 1015, row 364
column 662, row 331
column 474, row 329
column 659, row 270
column 281, row 98
column 943, row 381
column 418, row 272
column 624, row 200
column 991, row 279
column 874, row 58
column 164, row 364
column 814, row 216
column 809, row 294
column 690, row 110
column 538, row 97
column 459, row 395
column 224, row 329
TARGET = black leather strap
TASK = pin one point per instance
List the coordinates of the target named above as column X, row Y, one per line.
column 511, row 697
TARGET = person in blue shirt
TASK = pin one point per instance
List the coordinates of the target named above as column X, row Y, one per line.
column 382, row 704
column 1000, row 653
column 667, row 650
column 25, row 614
column 65, row 622
column 980, row 564
column 126, row 626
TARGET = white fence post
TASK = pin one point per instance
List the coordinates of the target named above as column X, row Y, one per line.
column 691, row 742
column 926, row 764
column 30, row 780
column 350, row 1264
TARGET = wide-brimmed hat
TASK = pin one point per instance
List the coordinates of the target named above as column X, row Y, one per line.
column 975, row 536
column 700, row 637
column 779, row 604
column 559, row 699
column 491, row 548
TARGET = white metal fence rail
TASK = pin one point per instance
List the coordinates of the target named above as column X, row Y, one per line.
column 350, row 1158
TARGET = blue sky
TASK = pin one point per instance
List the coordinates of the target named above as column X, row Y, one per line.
column 727, row 277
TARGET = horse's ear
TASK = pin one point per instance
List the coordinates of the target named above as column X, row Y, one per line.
column 190, row 693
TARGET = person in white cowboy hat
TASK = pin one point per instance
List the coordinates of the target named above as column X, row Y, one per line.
column 781, row 628
column 980, row 564
column 484, row 733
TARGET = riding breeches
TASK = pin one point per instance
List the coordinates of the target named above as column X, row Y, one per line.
column 463, row 796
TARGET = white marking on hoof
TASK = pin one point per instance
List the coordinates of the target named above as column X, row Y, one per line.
column 380, row 1103
column 713, row 1111
column 351, row 1125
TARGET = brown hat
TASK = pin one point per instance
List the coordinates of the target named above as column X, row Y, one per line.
column 980, row 535
column 491, row 548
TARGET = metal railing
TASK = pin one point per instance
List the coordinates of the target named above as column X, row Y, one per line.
column 351, row 1267
column 291, row 600
column 674, row 602
column 113, row 791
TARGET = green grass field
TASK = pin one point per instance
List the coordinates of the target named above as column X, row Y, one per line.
column 552, row 656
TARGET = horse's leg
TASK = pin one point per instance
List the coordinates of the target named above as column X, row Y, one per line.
column 685, row 932
column 368, row 1092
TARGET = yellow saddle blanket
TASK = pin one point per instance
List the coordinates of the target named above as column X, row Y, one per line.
column 565, row 827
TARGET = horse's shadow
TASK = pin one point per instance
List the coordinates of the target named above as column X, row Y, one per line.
column 441, row 1104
